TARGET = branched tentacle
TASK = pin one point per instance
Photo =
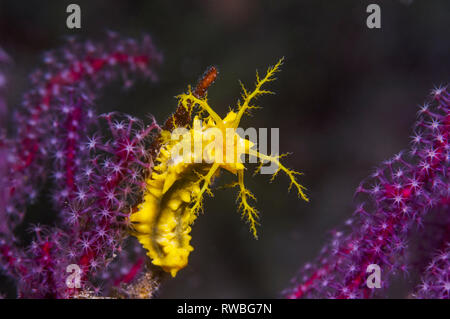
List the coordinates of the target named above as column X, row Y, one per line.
column 280, row 167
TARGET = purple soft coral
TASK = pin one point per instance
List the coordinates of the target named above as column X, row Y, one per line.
column 402, row 196
column 95, row 180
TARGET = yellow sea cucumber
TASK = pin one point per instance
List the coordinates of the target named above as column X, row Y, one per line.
column 178, row 183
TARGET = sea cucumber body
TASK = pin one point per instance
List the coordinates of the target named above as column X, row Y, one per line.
column 162, row 222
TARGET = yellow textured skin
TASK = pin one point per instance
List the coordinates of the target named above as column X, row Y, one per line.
column 176, row 187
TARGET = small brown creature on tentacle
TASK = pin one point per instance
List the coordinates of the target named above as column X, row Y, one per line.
column 182, row 117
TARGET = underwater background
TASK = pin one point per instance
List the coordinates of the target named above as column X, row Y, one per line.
column 346, row 100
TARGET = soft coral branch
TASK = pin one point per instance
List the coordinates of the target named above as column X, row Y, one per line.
column 394, row 202
column 95, row 187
